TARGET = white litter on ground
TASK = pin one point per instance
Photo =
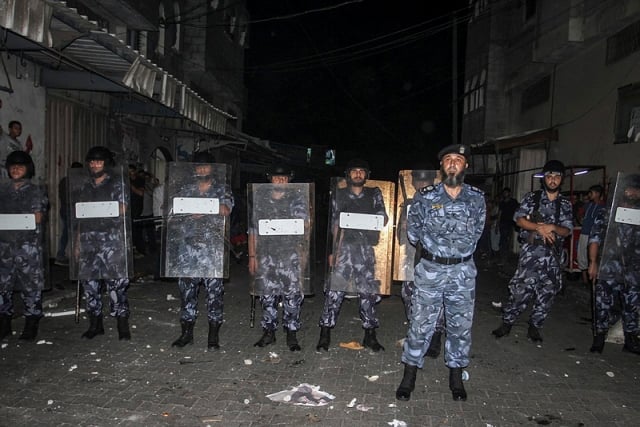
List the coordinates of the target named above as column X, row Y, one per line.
column 304, row 394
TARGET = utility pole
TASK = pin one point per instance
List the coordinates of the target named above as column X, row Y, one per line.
column 454, row 79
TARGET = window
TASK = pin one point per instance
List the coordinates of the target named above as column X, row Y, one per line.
column 536, row 94
column 176, row 26
column 623, row 43
column 627, row 125
column 161, row 33
column 474, row 89
column 477, row 8
column 530, row 9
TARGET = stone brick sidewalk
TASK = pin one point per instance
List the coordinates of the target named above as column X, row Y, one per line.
column 64, row 380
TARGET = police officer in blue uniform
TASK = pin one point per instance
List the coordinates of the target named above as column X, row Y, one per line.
column 99, row 244
column 197, row 235
column 21, row 250
column 445, row 223
column 278, row 270
column 618, row 279
column 356, row 260
column 545, row 218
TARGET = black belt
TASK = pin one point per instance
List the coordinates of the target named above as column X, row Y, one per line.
column 446, row 261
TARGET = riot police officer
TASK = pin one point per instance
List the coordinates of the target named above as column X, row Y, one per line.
column 279, row 261
column 100, row 245
column 21, row 244
column 196, row 246
column 445, row 223
column 355, row 259
column 545, row 218
column 618, row 277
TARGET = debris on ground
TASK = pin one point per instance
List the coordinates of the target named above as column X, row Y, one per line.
column 351, row 345
column 304, row 394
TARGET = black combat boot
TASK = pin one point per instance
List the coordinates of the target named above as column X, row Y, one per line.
column 455, row 384
column 325, row 338
column 187, row 334
column 5, row 326
column 503, row 330
column 95, row 327
column 631, row 342
column 533, row 334
column 434, row 346
column 123, row 328
column 371, row 341
column 268, row 337
column 598, row 342
column 292, row 341
column 30, row 330
column 408, row 383
column 213, row 341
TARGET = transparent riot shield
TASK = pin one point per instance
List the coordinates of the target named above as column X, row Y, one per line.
column 197, row 204
column 620, row 251
column 281, row 231
column 360, row 238
column 23, row 235
column 404, row 253
column 99, row 224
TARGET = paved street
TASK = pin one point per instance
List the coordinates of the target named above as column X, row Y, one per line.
column 66, row 381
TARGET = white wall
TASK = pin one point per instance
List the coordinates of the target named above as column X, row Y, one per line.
column 585, row 111
column 27, row 105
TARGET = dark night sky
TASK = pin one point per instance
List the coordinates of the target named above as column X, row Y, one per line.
column 387, row 99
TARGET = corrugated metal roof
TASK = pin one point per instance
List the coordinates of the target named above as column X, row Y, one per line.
column 69, row 43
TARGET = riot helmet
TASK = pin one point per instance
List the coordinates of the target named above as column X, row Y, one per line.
column 552, row 168
column 20, row 158
column 99, row 153
column 279, row 170
column 203, row 169
column 203, row 157
column 631, row 194
column 357, row 164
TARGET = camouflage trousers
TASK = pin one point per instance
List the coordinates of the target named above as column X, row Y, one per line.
column 407, row 293
column 441, row 288
column 117, row 291
column 333, row 302
column 291, row 308
column 32, row 301
column 537, row 276
column 21, row 266
column 189, row 290
column 610, row 292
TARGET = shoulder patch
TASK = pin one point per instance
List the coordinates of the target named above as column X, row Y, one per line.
column 475, row 189
column 427, row 189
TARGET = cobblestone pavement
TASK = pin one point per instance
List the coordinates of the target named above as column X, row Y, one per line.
column 64, row 381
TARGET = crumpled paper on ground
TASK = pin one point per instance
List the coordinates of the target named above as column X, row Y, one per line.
column 351, row 345
column 304, row 394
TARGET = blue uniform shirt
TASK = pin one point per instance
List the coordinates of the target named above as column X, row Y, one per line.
column 444, row 226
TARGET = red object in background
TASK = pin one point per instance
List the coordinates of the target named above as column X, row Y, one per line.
column 28, row 146
column 571, row 247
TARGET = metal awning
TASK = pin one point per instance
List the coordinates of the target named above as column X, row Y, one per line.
column 75, row 54
column 509, row 142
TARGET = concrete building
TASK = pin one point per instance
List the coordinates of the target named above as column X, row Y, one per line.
column 552, row 79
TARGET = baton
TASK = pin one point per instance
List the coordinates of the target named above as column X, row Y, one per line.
column 593, row 306
column 78, row 298
column 252, row 314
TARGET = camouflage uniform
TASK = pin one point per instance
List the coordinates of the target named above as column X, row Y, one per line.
column 356, row 260
column 101, row 256
column 619, row 275
column 198, row 235
column 539, row 271
column 280, row 267
column 21, row 252
column 448, row 229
